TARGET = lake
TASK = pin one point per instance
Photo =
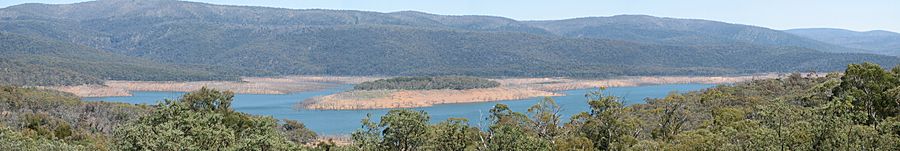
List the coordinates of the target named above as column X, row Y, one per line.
column 341, row 122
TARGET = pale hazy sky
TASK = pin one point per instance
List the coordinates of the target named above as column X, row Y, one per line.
column 860, row 15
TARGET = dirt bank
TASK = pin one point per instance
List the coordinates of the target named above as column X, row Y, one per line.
column 247, row 85
column 569, row 84
column 510, row 89
column 378, row 99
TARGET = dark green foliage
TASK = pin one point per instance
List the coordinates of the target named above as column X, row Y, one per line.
column 674, row 31
column 18, row 73
column 368, row 137
column 221, row 42
column 876, row 41
column 453, row 134
column 607, row 125
column 404, row 130
column 836, row 112
column 297, row 132
column 13, row 140
column 401, row 130
column 45, row 126
column 792, row 113
column 58, row 119
column 511, row 131
column 50, row 120
column 514, row 138
column 37, row 62
column 209, row 100
column 545, row 118
column 202, row 120
column 872, row 89
column 427, row 83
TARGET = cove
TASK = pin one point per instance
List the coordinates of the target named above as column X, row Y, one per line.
column 343, row 122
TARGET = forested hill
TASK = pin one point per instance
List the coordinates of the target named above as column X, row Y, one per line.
column 257, row 41
column 877, row 41
column 679, row 32
column 35, row 61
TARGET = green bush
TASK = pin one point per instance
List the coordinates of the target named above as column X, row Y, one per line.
column 202, row 120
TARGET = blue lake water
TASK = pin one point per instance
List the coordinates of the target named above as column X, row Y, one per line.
column 339, row 122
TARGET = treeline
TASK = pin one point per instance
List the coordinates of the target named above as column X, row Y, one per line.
column 33, row 119
column 856, row 111
column 18, row 73
column 195, row 44
column 32, row 61
column 427, row 83
column 204, row 120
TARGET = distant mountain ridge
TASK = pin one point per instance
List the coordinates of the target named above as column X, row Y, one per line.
column 260, row 41
column 645, row 28
column 878, row 41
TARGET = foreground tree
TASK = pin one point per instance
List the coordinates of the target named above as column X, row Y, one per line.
column 297, row 132
column 368, row 137
column 607, row 125
column 872, row 89
column 404, row 130
column 12, row 140
column 854, row 111
column 453, row 134
column 202, row 120
column 545, row 118
column 510, row 131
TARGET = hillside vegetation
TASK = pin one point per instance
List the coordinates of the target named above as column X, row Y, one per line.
column 35, row 61
column 679, row 32
column 877, row 41
column 855, row 110
column 220, row 42
column 33, row 119
column 427, row 83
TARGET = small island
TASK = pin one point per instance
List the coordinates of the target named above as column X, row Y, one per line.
column 428, row 83
column 407, row 92
column 410, row 92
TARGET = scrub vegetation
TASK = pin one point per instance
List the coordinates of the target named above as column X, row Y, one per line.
column 853, row 110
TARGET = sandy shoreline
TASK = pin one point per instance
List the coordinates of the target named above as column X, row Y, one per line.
column 354, row 100
column 247, row 85
column 510, row 89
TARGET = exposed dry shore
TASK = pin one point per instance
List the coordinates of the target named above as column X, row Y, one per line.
column 247, row 85
column 379, row 99
column 510, row 89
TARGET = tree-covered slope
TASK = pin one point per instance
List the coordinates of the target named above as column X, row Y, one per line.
column 679, row 31
column 258, row 41
column 878, row 41
column 388, row 50
column 35, row 61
